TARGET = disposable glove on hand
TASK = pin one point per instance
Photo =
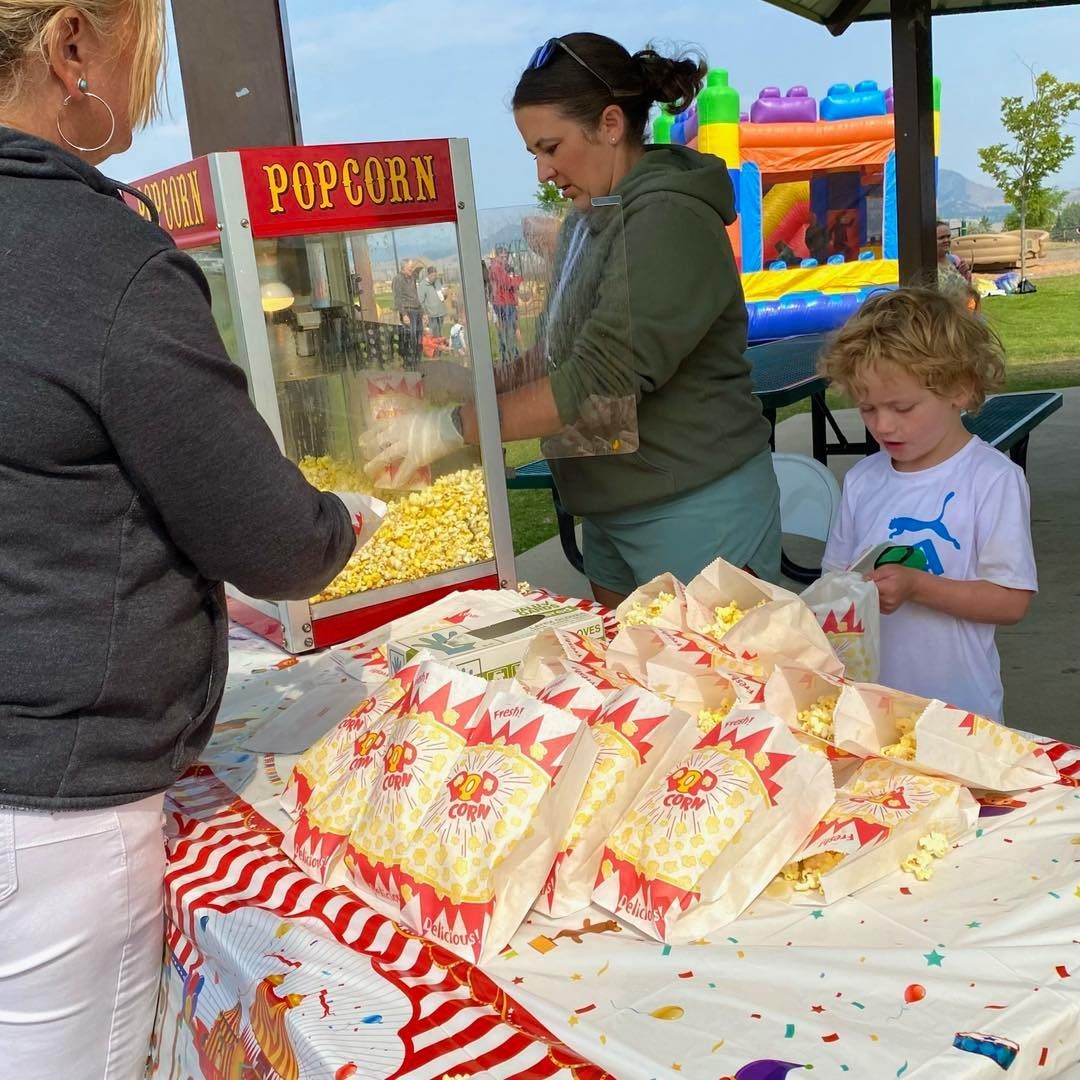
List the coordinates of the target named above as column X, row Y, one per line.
column 401, row 446
column 366, row 513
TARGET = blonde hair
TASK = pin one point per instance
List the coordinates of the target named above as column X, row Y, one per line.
column 926, row 333
column 26, row 27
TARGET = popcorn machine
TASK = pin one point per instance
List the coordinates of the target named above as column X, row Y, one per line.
column 312, row 254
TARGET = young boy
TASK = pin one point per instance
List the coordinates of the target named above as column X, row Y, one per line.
column 913, row 360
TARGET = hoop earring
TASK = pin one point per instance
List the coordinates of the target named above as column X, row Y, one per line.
column 112, row 123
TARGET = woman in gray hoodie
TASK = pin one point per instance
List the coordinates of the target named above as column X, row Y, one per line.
column 135, row 477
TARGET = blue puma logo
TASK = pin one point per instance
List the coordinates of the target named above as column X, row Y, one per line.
column 900, row 525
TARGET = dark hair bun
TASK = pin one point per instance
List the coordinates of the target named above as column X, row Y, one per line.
column 671, row 82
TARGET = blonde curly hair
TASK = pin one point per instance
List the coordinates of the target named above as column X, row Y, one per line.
column 26, row 27
column 926, row 333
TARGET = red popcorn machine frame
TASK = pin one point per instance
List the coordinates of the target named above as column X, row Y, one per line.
column 301, row 247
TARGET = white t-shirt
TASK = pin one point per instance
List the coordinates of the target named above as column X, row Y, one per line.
column 970, row 516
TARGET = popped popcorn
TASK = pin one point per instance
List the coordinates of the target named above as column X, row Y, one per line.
column 804, row 875
column 708, row 718
column 331, row 474
column 726, row 617
column 904, row 749
column 920, row 863
column 646, row 614
column 817, row 719
column 442, row 527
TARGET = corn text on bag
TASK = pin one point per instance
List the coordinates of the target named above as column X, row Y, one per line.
column 633, row 731
column 753, row 624
column 878, row 819
column 712, row 828
column 425, row 737
column 473, row 868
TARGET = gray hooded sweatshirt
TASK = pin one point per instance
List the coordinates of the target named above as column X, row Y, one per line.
column 135, row 477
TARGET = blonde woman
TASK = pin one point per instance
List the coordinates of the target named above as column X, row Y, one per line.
column 135, row 476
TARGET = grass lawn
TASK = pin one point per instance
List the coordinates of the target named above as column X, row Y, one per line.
column 1041, row 334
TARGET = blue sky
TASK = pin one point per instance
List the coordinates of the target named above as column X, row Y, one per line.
column 386, row 69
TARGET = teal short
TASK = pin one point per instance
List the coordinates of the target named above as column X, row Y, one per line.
column 736, row 518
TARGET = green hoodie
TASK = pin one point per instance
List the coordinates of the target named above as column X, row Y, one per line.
column 680, row 357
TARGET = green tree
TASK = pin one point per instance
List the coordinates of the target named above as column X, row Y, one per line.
column 1067, row 226
column 1038, row 147
column 548, row 198
column 1043, row 206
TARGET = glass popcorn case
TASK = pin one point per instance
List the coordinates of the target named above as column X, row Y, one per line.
column 344, row 278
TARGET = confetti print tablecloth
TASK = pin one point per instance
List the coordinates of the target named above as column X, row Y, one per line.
column 974, row 974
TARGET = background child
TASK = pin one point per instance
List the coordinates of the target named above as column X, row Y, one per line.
column 912, row 360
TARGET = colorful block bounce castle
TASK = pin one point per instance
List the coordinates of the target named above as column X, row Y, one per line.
column 815, row 188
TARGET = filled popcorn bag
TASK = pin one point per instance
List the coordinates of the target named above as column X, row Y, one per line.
column 847, row 609
column 675, row 668
column 328, row 761
column 753, row 625
column 808, row 701
column 422, row 744
column 634, row 730
column 712, row 828
column 885, row 817
column 940, row 739
column 660, row 602
column 485, row 843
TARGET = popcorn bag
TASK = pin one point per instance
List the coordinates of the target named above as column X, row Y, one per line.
column 940, row 739
column 423, row 741
column 330, row 783
column 755, row 624
column 676, row 669
column 386, row 395
column 573, row 694
column 712, row 828
column 634, row 730
column 808, row 701
column 553, row 653
column 317, row 771
column 885, row 817
column 485, row 844
column 846, row 607
column 661, row 602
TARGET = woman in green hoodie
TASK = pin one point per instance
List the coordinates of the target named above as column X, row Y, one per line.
column 700, row 483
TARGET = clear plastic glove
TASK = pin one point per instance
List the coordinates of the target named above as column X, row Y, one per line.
column 403, row 445
column 445, row 381
column 366, row 512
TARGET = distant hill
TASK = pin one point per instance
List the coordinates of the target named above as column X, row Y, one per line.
column 959, row 197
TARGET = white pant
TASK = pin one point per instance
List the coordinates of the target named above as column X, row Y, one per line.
column 80, row 940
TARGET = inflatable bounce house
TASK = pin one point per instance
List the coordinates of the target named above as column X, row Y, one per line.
column 815, row 188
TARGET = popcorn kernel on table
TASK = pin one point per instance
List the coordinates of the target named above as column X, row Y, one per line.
column 920, row 863
column 817, row 719
column 646, row 614
column 442, row 527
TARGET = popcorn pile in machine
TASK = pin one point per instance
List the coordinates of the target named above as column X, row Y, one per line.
column 305, row 249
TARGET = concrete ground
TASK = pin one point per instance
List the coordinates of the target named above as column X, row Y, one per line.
column 1040, row 657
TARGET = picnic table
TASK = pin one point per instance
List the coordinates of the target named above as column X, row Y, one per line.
column 269, row 974
column 785, row 372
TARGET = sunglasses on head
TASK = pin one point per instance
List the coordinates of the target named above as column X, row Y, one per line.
column 544, row 54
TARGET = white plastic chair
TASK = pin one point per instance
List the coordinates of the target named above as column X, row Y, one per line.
column 809, row 499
